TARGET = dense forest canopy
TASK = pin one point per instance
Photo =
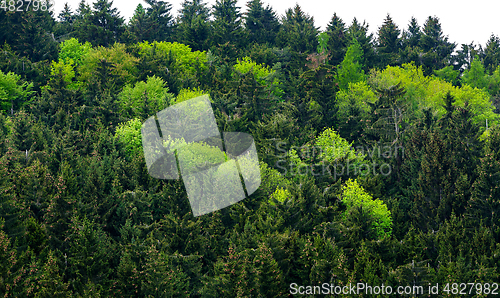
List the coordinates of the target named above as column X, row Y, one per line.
column 379, row 153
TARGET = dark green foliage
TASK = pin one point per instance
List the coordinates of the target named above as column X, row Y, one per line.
column 228, row 24
column 298, row 31
column 29, row 33
column 389, row 43
column 194, row 28
column 436, row 48
column 66, row 20
column 411, row 43
column 359, row 32
column 80, row 216
column 338, row 41
column 261, row 23
column 102, row 25
column 492, row 54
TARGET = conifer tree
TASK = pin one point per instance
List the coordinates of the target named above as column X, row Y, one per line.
column 194, row 28
column 435, row 46
column 160, row 23
column 360, row 33
column 389, row 43
column 261, row 23
column 228, row 23
column 492, row 54
column 102, row 25
column 65, row 24
column 138, row 25
column 298, row 31
column 388, row 114
column 30, row 33
column 338, row 42
column 485, row 205
column 411, row 43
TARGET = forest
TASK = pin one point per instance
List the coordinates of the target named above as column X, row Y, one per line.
column 379, row 153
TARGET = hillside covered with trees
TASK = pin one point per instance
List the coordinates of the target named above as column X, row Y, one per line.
column 379, row 153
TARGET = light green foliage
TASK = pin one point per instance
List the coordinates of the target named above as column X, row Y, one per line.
column 173, row 144
column 200, row 156
column 448, row 74
column 129, row 135
column 411, row 77
column 67, row 69
column 261, row 72
column 358, row 95
column 475, row 76
column 144, row 97
column 246, row 64
column 354, row 196
column 323, row 38
column 188, row 93
column 281, row 195
column 73, row 50
column 271, row 179
column 494, row 82
column 329, row 148
column 351, row 68
column 13, row 93
column 429, row 92
column 187, row 62
column 124, row 63
column 334, row 148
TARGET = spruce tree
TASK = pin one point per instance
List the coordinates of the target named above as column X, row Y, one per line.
column 160, row 23
column 492, row 54
column 194, row 28
column 485, row 204
column 30, row 33
column 65, row 24
column 138, row 26
column 227, row 25
column 389, row 43
column 411, row 43
column 101, row 26
column 435, row 46
column 337, row 42
column 261, row 23
column 298, row 31
column 360, row 33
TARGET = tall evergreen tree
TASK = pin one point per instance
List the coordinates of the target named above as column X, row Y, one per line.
column 102, row 26
column 298, row 31
column 65, row 24
column 389, row 43
column 194, row 27
column 227, row 25
column 492, row 54
column 137, row 27
column 337, row 42
column 411, row 43
column 30, row 33
column 160, row 21
column 360, row 33
column 435, row 46
column 261, row 23
column 82, row 11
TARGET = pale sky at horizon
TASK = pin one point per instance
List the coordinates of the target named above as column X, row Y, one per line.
column 472, row 23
